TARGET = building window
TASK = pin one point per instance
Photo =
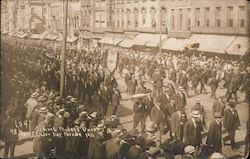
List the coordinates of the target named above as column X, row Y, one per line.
column 153, row 20
column 128, row 17
column 189, row 19
column 143, row 13
column 242, row 15
column 218, row 16
column 197, row 17
column 230, row 16
column 136, row 18
column 163, row 16
column 206, row 16
column 180, row 18
column 172, row 19
column 32, row 10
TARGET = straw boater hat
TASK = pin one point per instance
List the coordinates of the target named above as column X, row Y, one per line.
column 41, row 99
column 195, row 113
column 83, row 113
column 217, row 155
column 198, row 101
column 189, row 149
column 34, row 95
column 150, row 126
column 43, row 110
column 50, row 116
column 181, row 88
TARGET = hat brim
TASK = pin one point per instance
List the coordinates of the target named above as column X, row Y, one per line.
column 195, row 115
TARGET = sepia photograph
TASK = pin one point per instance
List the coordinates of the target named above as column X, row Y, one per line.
column 124, row 79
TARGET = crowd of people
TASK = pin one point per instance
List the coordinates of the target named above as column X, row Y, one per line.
column 31, row 78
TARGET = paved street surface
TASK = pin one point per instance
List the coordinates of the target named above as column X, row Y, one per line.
column 24, row 146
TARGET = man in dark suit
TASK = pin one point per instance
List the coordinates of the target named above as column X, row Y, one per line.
column 178, row 120
column 115, row 100
column 231, row 122
column 147, row 101
column 180, row 98
column 214, row 133
column 219, row 105
column 139, row 114
column 192, row 130
column 214, row 85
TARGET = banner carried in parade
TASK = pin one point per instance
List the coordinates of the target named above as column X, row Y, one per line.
column 112, row 60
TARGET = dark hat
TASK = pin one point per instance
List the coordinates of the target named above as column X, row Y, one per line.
column 140, row 140
column 217, row 115
column 127, row 137
column 133, row 132
column 232, row 104
column 149, row 143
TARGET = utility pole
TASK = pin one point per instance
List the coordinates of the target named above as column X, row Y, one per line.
column 160, row 30
column 113, row 22
column 63, row 60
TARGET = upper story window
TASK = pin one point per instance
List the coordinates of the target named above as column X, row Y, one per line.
column 242, row 16
column 218, row 16
column 230, row 16
column 206, row 16
column 197, row 17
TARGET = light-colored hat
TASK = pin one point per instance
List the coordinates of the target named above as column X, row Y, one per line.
column 100, row 126
column 50, row 116
column 198, row 101
column 181, row 88
column 34, row 95
column 93, row 115
column 195, row 113
column 150, row 126
column 42, row 99
column 62, row 110
column 217, row 155
column 74, row 100
column 83, row 113
column 154, row 150
column 43, row 110
column 221, row 95
column 189, row 149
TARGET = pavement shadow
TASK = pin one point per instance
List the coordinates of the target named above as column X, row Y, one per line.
column 22, row 141
column 31, row 155
column 121, row 111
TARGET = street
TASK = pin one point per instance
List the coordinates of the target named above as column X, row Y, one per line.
column 24, row 147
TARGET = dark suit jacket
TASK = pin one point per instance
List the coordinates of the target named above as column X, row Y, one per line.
column 133, row 152
column 218, row 107
column 192, row 134
column 214, row 135
column 231, row 121
column 180, row 101
column 177, row 124
column 139, row 111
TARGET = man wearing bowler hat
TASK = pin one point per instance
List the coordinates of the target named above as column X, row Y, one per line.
column 214, row 133
column 231, row 122
column 178, row 120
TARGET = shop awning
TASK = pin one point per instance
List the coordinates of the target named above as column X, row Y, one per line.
column 35, row 36
column 239, row 46
column 155, row 40
column 126, row 43
column 215, row 43
column 69, row 39
column 44, row 34
column 142, row 39
column 4, row 32
column 72, row 39
column 110, row 40
column 22, row 36
column 174, row 44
